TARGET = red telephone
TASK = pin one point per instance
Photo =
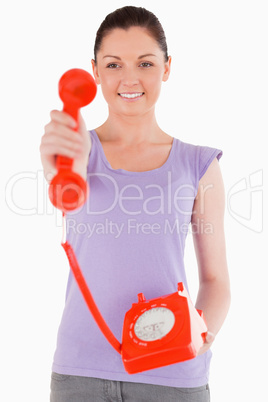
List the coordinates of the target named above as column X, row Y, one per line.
column 156, row 332
column 162, row 331
column 68, row 190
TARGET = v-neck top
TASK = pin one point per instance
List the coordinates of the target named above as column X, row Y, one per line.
column 133, row 173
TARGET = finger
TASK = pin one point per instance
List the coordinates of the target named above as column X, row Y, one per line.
column 63, row 118
column 62, row 142
column 59, row 130
column 52, row 144
column 210, row 337
column 51, row 150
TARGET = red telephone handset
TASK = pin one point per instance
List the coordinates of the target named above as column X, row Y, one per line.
column 156, row 332
column 68, row 190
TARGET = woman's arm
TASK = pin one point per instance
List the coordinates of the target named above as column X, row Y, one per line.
column 214, row 287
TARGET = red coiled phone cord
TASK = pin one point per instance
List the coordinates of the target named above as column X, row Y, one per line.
column 87, row 294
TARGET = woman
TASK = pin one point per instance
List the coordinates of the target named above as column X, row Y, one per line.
column 146, row 187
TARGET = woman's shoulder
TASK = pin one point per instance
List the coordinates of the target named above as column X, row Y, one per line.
column 195, row 156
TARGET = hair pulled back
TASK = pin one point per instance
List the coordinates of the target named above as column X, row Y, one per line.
column 127, row 17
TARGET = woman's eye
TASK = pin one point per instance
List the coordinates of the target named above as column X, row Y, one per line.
column 112, row 65
column 146, row 64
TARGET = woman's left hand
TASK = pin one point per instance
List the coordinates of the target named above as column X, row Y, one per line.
column 207, row 344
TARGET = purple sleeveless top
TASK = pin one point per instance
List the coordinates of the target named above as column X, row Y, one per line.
column 129, row 238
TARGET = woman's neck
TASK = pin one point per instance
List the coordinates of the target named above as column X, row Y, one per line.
column 131, row 130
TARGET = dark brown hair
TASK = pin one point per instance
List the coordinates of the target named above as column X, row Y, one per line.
column 127, row 17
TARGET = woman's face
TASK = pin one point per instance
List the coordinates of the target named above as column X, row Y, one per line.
column 130, row 68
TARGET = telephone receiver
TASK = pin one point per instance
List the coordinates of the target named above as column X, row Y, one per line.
column 68, row 190
column 156, row 332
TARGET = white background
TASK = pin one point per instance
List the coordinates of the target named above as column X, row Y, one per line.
column 216, row 96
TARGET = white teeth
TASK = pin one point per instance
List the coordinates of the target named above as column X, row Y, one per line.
column 132, row 96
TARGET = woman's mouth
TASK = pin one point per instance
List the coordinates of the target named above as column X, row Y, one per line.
column 131, row 95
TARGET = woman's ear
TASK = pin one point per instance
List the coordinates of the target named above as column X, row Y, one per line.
column 167, row 69
column 95, row 71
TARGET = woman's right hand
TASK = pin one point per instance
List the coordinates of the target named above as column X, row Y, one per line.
column 61, row 138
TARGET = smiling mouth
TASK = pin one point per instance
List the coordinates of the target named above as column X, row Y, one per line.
column 133, row 95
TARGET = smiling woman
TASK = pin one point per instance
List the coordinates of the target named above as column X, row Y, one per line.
column 163, row 185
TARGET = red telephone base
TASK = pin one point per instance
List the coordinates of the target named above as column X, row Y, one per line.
column 162, row 331
column 68, row 190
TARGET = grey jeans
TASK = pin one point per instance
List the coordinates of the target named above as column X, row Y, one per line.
column 68, row 388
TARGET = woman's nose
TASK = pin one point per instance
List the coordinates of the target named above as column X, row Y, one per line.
column 130, row 78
